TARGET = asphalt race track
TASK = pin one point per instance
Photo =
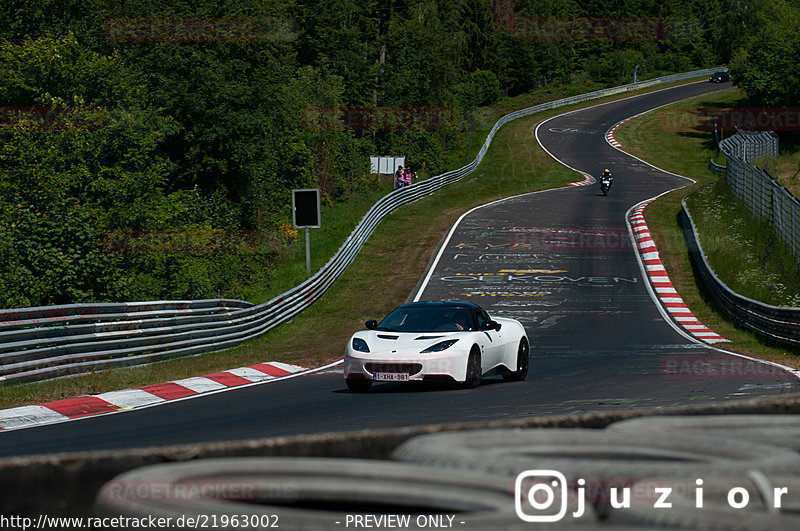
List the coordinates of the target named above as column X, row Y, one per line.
column 560, row 261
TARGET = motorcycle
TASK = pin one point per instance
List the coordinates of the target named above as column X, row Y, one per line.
column 605, row 184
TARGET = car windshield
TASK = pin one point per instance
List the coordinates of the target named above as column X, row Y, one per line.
column 427, row 319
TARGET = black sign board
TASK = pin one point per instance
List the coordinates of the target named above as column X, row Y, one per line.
column 305, row 208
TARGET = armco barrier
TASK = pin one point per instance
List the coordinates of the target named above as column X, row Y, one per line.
column 773, row 323
column 42, row 343
column 716, row 168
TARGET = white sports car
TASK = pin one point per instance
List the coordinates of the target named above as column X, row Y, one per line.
column 456, row 341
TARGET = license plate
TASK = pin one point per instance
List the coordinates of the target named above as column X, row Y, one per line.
column 390, row 377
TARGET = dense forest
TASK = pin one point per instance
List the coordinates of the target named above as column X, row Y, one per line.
column 183, row 128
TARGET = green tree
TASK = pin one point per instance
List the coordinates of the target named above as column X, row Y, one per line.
column 767, row 66
column 483, row 88
column 79, row 158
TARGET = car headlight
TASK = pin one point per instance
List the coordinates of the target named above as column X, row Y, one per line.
column 440, row 346
column 360, row 345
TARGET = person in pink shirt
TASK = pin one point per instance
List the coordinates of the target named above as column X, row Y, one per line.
column 409, row 176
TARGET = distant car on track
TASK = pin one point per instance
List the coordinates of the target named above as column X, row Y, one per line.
column 720, row 77
column 435, row 340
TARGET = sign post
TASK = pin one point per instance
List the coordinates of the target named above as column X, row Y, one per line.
column 306, row 215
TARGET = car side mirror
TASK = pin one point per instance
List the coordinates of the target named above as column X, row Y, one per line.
column 491, row 325
column 372, row 324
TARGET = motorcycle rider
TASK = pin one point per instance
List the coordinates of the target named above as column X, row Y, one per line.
column 606, row 177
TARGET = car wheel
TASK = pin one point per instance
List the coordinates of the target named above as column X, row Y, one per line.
column 473, row 378
column 358, row 385
column 521, row 373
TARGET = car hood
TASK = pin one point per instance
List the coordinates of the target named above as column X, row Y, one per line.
column 380, row 341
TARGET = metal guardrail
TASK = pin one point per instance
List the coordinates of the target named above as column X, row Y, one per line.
column 778, row 324
column 764, row 197
column 716, row 168
column 50, row 342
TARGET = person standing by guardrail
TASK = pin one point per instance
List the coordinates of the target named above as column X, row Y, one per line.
column 399, row 178
column 409, row 176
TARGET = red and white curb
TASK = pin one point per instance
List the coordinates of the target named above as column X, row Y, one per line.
column 656, row 273
column 610, row 138
column 610, row 133
column 587, row 180
column 660, row 281
column 149, row 395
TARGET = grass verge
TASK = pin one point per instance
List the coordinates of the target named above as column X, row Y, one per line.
column 743, row 250
column 687, row 152
column 785, row 168
column 383, row 275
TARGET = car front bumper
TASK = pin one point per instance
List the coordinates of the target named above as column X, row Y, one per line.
column 419, row 367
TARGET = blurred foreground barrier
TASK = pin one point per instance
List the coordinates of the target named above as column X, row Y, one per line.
column 309, row 493
column 594, row 455
column 42, row 343
column 67, row 484
column 645, row 474
column 776, row 430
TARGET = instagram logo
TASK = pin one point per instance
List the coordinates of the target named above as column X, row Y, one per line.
column 537, row 493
